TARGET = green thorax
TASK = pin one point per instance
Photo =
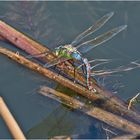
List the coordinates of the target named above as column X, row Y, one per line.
column 65, row 51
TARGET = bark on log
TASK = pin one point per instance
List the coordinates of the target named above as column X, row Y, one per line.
column 10, row 121
column 98, row 113
column 21, row 41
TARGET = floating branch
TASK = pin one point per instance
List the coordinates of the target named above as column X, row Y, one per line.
column 10, row 121
column 98, row 113
column 25, row 43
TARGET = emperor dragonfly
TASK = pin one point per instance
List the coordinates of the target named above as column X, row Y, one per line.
column 73, row 51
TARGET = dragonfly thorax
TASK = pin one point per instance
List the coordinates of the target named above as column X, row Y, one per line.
column 68, row 51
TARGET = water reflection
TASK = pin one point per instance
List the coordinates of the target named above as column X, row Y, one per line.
column 34, row 19
column 61, row 122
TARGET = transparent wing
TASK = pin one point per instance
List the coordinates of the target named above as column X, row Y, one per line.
column 131, row 66
column 50, row 64
column 55, row 62
column 88, row 45
column 37, row 55
column 98, row 61
column 93, row 28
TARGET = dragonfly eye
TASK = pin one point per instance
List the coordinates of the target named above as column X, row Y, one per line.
column 57, row 50
column 76, row 55
column 56, row 53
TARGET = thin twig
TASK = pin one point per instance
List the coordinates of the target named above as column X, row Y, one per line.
column 132, row 101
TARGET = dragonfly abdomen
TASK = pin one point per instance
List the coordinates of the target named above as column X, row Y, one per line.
column 88, row 72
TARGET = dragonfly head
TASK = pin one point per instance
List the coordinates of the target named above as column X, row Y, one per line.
column 57, row 50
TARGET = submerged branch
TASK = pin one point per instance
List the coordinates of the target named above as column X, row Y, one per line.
column 93, row 111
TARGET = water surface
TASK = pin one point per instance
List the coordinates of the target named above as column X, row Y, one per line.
column 52, row 24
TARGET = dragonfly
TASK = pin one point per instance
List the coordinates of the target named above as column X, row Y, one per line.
column 75, row 50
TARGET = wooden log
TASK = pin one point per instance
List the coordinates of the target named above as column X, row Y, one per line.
column 30, row 46
column 67, row 83
column 10, row 121
column 98, row 113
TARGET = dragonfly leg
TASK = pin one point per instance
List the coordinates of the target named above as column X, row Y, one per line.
column 74, row 72
column 59, row 72
column 74, row 75
column 55, row 67
column 83, row 69
column 74, row 69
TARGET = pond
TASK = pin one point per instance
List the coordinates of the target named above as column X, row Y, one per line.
column 52, row 24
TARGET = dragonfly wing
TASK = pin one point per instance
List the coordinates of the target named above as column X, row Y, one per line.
column 37, row 55
column 88, row 45
column 55, row 62
column 93, row 28
column 117, row 70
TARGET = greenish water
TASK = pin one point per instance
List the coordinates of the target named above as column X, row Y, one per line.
column 52, row 24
